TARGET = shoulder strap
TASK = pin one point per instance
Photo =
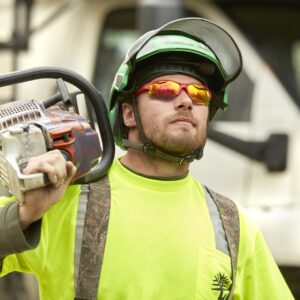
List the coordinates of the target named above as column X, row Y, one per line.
column 230, row 218
column 93, row 240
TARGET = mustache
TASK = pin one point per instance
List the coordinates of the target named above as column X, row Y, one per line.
column 186, row 116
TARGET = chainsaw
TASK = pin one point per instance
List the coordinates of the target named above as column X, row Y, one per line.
column 29, row 128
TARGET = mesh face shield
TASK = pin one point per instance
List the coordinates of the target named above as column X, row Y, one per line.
column 207, row 32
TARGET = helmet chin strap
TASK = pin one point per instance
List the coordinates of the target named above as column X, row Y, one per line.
column 152, row 150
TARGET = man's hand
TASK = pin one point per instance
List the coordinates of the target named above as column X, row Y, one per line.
column 38, row 201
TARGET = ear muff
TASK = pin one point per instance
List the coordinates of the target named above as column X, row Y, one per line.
column 219, row 102
column 116, row 124
column 113, row 115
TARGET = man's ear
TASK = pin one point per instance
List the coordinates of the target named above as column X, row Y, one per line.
column 128, row 115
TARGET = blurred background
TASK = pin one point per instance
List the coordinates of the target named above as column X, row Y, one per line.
column 252, row 154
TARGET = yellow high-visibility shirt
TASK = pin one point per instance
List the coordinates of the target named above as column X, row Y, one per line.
column 160, row 246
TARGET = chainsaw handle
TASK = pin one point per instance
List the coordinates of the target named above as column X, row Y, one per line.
column 94, row 97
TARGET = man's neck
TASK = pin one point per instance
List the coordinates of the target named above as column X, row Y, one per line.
column 144, row 164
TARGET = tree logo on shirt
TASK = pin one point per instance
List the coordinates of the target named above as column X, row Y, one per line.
column 222, row 284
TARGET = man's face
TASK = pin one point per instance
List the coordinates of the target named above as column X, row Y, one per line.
column 175, row 124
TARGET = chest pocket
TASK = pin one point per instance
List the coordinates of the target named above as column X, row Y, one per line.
column 214, row 276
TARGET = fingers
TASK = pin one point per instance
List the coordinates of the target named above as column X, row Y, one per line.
column 71, row 171
column 54, row 165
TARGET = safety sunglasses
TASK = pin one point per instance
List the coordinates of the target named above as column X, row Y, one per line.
column 198, row 93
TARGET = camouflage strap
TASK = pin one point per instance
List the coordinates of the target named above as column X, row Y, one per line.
column 93, row 240
column 230, row 218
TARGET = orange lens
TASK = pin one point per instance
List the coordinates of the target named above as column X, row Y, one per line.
column 199, row 94
column 164, row 89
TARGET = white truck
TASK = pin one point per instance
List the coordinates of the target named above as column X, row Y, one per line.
column 253, row 151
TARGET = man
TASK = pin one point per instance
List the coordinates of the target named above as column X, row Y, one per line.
column 165, row 238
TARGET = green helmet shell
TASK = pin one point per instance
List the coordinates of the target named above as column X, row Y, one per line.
column 190, row 37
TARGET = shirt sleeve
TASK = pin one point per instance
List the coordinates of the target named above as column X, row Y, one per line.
column 258, row 276
column 12, row 238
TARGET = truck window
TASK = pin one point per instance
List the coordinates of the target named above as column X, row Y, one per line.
column 273, row 29
column 119, row 33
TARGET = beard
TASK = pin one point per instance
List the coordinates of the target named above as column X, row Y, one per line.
column 177, row 138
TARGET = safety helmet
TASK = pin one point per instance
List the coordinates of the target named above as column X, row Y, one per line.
column 191, row 46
